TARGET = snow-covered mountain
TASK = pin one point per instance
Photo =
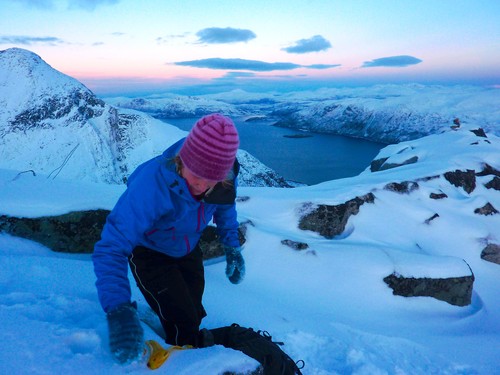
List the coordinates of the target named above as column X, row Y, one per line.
column 392, row 114
column 173, row 106
column 383, row 113
column 52, row 124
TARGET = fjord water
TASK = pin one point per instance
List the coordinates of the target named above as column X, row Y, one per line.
column 309, row 158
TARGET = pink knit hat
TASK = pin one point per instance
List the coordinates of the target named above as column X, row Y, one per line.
column 210, row 147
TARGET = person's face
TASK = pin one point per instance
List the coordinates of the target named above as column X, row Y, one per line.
column 196, row 184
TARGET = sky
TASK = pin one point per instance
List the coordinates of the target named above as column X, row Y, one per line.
column 126, row 46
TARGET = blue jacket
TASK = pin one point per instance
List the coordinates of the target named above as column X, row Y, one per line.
column 156, row 211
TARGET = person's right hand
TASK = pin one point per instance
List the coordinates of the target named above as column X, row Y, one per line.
column 235, row 264
column 126, row 336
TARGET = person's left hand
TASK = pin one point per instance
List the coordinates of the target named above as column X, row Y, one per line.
column 235, row 264
column 126, row 336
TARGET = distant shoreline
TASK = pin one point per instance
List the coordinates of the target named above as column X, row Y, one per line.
column 297, row 135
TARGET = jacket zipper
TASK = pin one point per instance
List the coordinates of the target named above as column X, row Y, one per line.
column 201, row 216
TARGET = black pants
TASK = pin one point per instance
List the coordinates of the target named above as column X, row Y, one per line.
column 173, row 287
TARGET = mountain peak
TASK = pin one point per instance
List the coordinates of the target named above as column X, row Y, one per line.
column 46, row 114
column 20, row 54
column 32, row 74
column 23, row 62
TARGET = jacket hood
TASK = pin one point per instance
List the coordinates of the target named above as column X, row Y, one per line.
column 167, row 172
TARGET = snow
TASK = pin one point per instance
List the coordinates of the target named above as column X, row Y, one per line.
column 328, row 303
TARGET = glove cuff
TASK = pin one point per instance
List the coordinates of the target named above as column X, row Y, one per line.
column 122, row 307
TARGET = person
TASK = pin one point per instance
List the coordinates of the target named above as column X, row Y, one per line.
column 155, row 227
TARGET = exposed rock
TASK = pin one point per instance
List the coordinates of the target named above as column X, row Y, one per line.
column 456, row 124
column 493, row 184
column 405, row 187
column 491, row 253
column 75, row 232
column 81, row 105
column 487, row 170
column 330, row 221
column 375, row 165
column 428, row 221
column 295, row 245
column 381, row 165
column 454, row 290
column 438, row 195
column 78, row 231
column 210, row 244
column 428, row 178
column 479, row 132
column 486, row 210
column 465, row 180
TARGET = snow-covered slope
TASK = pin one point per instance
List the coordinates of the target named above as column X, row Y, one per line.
column 52, row 124
column 328, row 303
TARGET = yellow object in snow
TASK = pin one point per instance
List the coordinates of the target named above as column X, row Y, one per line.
column 157, row 355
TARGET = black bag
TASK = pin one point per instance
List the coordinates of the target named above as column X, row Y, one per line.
column 258, row 345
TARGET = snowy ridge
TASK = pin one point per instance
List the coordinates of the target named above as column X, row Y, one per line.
column 172, row 106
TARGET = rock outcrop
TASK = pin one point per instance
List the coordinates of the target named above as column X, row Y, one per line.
column 75, row 232
column 491, row 253
column 330, row 221
column 78, row 231
column 454, row 290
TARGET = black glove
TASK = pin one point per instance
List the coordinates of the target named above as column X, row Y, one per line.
column 235, row 267
column 126, row 336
